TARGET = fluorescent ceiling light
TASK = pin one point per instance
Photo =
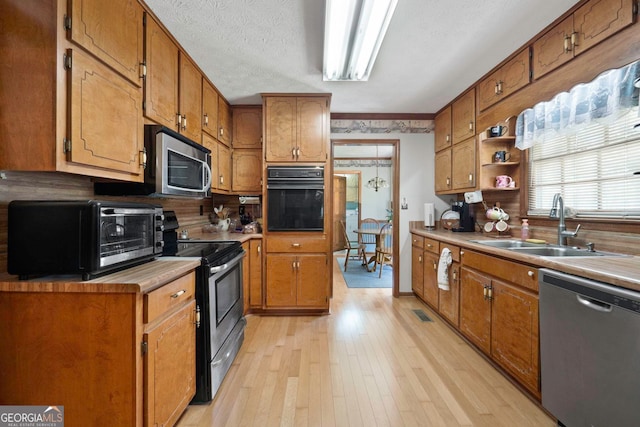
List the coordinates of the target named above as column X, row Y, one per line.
column 353, row 33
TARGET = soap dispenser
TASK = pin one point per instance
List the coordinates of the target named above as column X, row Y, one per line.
column 524, row 230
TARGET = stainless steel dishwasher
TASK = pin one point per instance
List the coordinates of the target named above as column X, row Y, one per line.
column 589, row 351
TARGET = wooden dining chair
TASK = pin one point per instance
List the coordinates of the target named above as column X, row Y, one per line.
column 367, row 242
column 384, row 252
column 351, row 245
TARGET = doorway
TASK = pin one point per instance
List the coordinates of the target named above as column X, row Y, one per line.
column 365, row 164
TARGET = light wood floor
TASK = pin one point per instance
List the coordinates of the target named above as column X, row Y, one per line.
column 371, row 362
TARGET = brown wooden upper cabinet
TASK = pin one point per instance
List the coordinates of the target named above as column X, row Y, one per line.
column 297, row 128
column 173, row 84
column 247, row 127
column 209, row 109
column 443, row 129
column 67, row 67
column 463, row 116
column 505, row 80
column 587, row 26
column 111, row 31
column 225, row 123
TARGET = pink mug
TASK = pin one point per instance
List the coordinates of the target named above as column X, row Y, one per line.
column 503, row 181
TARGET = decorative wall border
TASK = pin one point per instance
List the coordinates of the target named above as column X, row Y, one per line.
column 382, row 126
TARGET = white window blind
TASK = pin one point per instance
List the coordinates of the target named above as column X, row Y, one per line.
column 592, row 168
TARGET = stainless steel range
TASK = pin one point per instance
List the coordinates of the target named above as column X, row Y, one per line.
column 219, row 297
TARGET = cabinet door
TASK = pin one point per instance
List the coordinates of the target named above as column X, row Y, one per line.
column 224, row 167
column 430, row 277
column 112, row 31
column 514, row 332
column 443, row 129
column 475, row 309
column 247, row 170
column 463, row 117
column 553, row 49
column 449, row 303
column 312, row 129
column 255, row 273
column 463, row 165
column 170, row 367
column 599, row 19
column 209, row 109
column 313, row 270
column 417, row 273
column 161, row 82
column 503, row 82
column 106, row 127
column 280, row 127
column 247, row 127
column 281, row 280
column 443, row 171
column 190, row 99
column 225, row 123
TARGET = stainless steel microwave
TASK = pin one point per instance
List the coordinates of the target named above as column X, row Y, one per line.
column 176, row 166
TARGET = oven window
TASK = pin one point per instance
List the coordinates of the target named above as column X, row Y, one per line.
column 227, row 291
column 184, row 171
column 295, row 210
column 125, row 233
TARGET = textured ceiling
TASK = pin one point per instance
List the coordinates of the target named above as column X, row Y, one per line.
column 433, row 50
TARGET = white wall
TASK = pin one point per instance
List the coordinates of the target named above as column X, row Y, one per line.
column 416, row 185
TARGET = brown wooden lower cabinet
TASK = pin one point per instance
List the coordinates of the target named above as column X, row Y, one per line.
column 109, row 354
column 252, row 275
column 492, row 301
column 297, row 281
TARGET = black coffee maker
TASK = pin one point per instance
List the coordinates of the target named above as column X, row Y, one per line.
column 467, row 218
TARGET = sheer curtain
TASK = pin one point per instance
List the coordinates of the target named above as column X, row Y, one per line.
column 607, row 97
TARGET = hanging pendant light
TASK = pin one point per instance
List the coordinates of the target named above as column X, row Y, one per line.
column 377, row 182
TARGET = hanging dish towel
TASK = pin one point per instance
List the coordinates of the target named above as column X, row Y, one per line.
column 443, row 269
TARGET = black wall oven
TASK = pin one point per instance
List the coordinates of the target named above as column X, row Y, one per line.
column 295, row 198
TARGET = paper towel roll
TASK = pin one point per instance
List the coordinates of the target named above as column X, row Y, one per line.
column 429, row 215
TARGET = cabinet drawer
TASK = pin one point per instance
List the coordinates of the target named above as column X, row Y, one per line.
column 417, row 241
column 431, row 245
column 170, row 295
column 297, row 244
column 455, row 251
column 513, row 272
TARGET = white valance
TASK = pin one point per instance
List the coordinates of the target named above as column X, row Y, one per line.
column 608, row 96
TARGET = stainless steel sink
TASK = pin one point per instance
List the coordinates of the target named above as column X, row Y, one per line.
column 556, row 251
column 507, row 243
column 541, row 249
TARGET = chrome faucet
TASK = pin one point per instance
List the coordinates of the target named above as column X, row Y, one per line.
column 557, row 211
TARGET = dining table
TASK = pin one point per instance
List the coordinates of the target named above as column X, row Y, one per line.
column 378, row 233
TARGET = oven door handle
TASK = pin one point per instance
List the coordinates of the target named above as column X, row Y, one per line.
column 218, row 268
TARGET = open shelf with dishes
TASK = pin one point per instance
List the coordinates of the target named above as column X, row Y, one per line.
column 499, row 163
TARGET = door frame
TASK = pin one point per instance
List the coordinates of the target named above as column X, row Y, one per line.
column 395, row 165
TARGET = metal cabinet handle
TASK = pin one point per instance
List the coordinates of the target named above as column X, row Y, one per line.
column 293, row 152
column 206, row 119
column 471, row 125
column 448, row 138
column 178, row 294
column 455, row 275
column 470, row 177
column 197, row 316
column 178, row 120
column 567, row 46
column 435, row 266
column 296, row 245
column 298, row 153
column 184, row 122
column 259, row 249
column 461, row 253
column 448, row 181
column 221, row 131
column 143, row 158
column 574, row 39
column 420, row 259
column 530, row 273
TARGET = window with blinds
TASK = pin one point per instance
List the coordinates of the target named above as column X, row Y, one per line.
column 594, row 169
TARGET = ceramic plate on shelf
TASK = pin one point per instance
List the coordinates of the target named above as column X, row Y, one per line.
column 450, row 219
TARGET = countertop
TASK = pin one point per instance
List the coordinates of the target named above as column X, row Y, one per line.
column 623, row 271
column 141, row 278
column 138, row 279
